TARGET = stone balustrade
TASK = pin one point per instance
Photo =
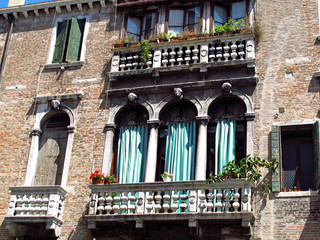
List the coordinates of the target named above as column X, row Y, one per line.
column 34, row 204
column 208, row 52
column 170, row 199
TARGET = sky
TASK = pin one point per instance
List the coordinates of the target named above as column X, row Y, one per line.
column 4, row 3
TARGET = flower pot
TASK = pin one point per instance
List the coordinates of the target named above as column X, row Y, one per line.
column 97, row 181
column 167, row 179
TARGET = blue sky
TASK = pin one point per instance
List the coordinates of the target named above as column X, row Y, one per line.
column 4, row 3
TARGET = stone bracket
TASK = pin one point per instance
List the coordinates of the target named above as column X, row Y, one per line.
column 193, row 227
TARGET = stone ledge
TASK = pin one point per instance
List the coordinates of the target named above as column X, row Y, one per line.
column 63, row 65
column 295, row 194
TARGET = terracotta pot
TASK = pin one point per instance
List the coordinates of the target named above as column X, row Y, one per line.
column 167, row 179
column 97, row 181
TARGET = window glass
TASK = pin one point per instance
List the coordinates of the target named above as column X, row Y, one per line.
column 220, row 15
column 193, row 19
column 238, row 10
column 149, row 25
column 134, row 27
column 175, row 24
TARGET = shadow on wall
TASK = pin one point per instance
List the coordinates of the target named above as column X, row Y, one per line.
column 311, row 226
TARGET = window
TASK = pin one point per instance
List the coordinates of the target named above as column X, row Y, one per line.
column 180, row 19
column 141, row 27
column 69, row 38
column 297, row 148
column 235, row 11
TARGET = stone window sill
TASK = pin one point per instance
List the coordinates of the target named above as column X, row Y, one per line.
column 63, row 65
column 295, row 194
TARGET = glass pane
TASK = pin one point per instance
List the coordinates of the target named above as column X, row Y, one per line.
column 133, row 27
column 175, row 31
column 149, row 24
column 238, row 10
column 176, row 18
column 306, row 166
column 220, row 15
column 193, row 18
column 289, row 164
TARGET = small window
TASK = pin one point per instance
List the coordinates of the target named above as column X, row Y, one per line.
column 222, row 13
column 141, row 27
column 69, row 38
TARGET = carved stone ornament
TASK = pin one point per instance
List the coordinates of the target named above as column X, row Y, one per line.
column 55, row 104
column 226, row 87
column 178, row 92
column 132, row 97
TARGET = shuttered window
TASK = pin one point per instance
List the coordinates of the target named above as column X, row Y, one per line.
column 68, row 40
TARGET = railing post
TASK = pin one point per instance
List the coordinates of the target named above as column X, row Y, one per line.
column 246, row 199
column 250, row 49
column 12, row 205
column 204, row 56
column 115, row 63
column 140, row 203
column 53, row 206
column 192, row 202
column 156, row 58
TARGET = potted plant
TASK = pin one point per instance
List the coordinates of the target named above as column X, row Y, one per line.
column 110, row 179
column 219, row 29
column 97, row 177
column 127, row 40
column 167, row 177
column 187, row 34
column 145, row 51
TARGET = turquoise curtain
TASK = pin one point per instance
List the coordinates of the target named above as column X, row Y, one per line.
column 132, row 153
column 225, row 143
column 180, row 150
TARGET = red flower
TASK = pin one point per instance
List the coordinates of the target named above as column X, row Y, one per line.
column 96, row 171
column 93, row 174
column 259, row 171
column 98, row 175
column 90, row 177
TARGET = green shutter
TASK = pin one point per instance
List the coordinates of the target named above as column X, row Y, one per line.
column 275, row 139
column 61, row 41
column 75, row 39
column 316, row 152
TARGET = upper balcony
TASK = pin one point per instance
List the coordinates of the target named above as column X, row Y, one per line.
column 35, row 205
column 192, row 201
column 202, row 54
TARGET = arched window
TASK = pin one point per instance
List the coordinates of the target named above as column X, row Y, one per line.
column 52, row 149
column 226, row 133
column 132, row 144
column 177, row 141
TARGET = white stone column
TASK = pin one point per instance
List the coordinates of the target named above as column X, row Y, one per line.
column 108, row 148
column 33, row 157
column 201, row 157
column 151, row 165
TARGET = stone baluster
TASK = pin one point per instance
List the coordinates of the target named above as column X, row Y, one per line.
column 187, row 58
column 142, row 65
column 236, row 196
column 12, row 205
column 195, row 57
column 115, row 63
column 218, row 203
column 109, row 200
column 234, row 50
column 45, row 204
column 202, row 200
column 116, row 205
column 123, row 62
column 192, row 201
column 101, row 203
column 246, row 200
column 131, row 203
column 211, row 53
column 241, row 50
column 19, row 205
column 38, row 202
column 219, row 53
column 180, row 53
column 157, row 205
column 150, row 202
column 165, row 57
column 93, row 204
column 135, row 61
column 124, row 201
column 25, row 205
column 166, row 201
column 227, row 197
column 32, row 201
column 149, row 63
column 129, row 61
column 226, row 53
column 183, row 204
column 174, row 205
column 172, row 59
column 210, row 197
column 140, row 203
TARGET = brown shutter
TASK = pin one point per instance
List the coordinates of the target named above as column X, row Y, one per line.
column 75, row 39
column 275, row 148
column 316, row 152
column 61, row 41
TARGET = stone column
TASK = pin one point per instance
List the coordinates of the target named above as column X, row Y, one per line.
column 33, row 157
column 64, row 179
column 201, row 157
column 108, row 148
column 151, row 165
column 249, row 118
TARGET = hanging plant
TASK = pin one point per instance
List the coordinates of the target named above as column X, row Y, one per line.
column 145, row 51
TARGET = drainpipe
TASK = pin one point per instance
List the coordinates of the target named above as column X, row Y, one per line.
column 6, row 47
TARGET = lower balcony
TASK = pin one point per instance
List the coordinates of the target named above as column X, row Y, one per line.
column 191, row 201
column 35, row 205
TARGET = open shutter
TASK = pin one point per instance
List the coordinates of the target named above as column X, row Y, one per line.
column 275, row 137
column 316, row 152
column 61, row 41
column 75, row 40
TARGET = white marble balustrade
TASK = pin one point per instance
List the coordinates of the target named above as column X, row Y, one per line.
column 171, row 197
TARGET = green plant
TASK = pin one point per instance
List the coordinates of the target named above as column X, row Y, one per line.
column 110, row 179
column 240, row 24
column 145, row 51
column 128, row 39
column 167, row 35
column 165, row 175
column 257, row 31
column 219, row 29
column 97, row 175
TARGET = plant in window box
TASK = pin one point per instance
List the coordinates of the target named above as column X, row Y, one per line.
column 203, row 35
column 187, row 34
column 167, row 36
column 219, row 30
column 97, row 177
column 127, row 40
column 167, row 177
column 145, row 51
column 110, row 179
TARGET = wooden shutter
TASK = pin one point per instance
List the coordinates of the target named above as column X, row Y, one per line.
column 61, row 41
column 316, row 152
column 75, row 40
column 275, row 142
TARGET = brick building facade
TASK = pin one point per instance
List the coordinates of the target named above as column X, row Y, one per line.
column 66, row 98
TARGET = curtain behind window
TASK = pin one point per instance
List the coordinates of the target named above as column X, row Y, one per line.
column 225, row 147
column 180, row 150
column 132, row 153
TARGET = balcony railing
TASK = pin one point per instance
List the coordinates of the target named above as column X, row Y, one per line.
column 35, row 204
column 190, row 200
column 238, row 49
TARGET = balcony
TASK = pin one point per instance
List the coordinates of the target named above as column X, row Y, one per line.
column 186, row 55
column 35, row 205
column 193, row 201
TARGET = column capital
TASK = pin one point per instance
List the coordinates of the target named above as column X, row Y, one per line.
column 154, row 123
column 204, row 120
column 249, row 116
column 36, row 132
column 109, row 127
column 71, row 128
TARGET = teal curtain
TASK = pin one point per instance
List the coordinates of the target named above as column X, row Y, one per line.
column 225, row 143
column 180, row 150
column 132, row 153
